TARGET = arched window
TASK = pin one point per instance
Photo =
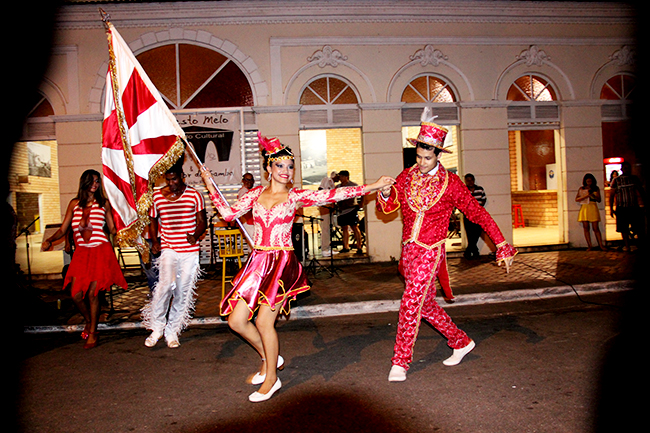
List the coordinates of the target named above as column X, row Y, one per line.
column 619, row 92
column 191, row 76
column 533, row 102
column 531, row 88
column 39, row 125
column 433, row 91
column 329, row 101
column 428, row 89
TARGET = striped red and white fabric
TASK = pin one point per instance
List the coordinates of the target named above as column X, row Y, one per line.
column 177, row 219
column 132, row 154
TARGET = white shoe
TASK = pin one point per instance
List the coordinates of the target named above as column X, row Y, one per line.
column 459, row 354
column 397, row 374
column 326, row 253
column 257, row 397
column 173, row 344
column 152, row 339
column 258, row 379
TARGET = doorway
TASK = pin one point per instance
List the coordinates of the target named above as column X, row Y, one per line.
column 534, row 183
column 323, row 151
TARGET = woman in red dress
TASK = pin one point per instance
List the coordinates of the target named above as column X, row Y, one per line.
column 94, row 267
column 272, row 276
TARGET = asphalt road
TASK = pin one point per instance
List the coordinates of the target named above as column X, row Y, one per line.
column 543, row 366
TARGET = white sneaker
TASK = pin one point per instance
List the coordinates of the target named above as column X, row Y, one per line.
column 172, row 341
column 327, row 253
column 152, row 339
column 459, row 354
column 397, row 374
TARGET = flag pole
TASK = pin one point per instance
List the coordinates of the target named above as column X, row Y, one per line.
column 201, row 165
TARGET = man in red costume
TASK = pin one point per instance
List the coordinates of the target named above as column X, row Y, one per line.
column 427, row 193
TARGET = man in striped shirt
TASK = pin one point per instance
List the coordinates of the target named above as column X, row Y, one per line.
column 473, row 231
column 178, row 216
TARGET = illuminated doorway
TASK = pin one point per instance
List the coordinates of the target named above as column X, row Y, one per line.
column 533, row 118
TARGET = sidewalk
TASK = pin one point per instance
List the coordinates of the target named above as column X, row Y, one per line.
column 361, row 288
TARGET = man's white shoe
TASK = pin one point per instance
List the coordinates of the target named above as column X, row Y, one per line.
column 459, row 354
column 152, row 339
column 397, row 374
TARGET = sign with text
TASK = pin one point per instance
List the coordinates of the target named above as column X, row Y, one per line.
column 216, row 138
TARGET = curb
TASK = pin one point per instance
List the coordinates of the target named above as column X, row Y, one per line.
column 382, row 306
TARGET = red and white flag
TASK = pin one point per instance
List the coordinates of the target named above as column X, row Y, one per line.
column 141, row 139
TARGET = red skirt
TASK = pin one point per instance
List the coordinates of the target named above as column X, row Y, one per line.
column 270, row 277
column 94, row 264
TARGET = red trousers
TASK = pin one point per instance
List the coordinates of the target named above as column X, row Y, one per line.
column 420, row 267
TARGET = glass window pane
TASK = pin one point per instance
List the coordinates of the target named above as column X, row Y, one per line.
column 410, row 95
column 229, row 88
column 346, row 97
column 319, row 87
column 160, row 65
column 309, row 97
column 420, row 85
column 197, row 64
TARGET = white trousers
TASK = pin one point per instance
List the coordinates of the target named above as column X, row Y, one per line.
column 172, row 303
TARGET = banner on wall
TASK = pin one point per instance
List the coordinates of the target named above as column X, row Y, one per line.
column 216, row 138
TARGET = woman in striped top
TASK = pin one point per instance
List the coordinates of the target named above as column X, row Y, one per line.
column 94, row 267
column 272, row 276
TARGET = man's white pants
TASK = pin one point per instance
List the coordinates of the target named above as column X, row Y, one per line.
column 172, row 303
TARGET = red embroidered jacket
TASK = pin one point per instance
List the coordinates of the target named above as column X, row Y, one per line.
column 427, row 202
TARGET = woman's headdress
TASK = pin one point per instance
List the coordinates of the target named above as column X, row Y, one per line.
column 272, row 148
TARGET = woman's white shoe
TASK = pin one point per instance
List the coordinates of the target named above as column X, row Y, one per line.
column 258, row 378
column 257, row 397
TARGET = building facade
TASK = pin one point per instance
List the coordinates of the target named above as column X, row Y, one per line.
column 535, row 94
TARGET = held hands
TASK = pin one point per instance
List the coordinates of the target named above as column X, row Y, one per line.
column 383, row 183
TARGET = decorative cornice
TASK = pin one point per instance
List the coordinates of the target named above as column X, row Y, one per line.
column 234, row 12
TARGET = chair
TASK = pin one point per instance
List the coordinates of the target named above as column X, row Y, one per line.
column 229, row 244
column 518, row 216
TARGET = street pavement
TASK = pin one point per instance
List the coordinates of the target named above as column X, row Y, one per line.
column 557, row 351
column 361, row 288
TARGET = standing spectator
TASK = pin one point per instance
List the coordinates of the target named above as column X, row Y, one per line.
column 472, row 230
column 94, row 267
column 626, row 203
column 328, row 182
column 347, row 217
column 588, row 195
column 182, row 216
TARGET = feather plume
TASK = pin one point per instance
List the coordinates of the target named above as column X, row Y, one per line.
column 426, row 116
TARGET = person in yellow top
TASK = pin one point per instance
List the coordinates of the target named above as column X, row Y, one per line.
column 588, row 196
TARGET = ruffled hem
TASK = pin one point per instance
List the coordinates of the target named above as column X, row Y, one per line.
column 271, row 277
column 90, row 264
